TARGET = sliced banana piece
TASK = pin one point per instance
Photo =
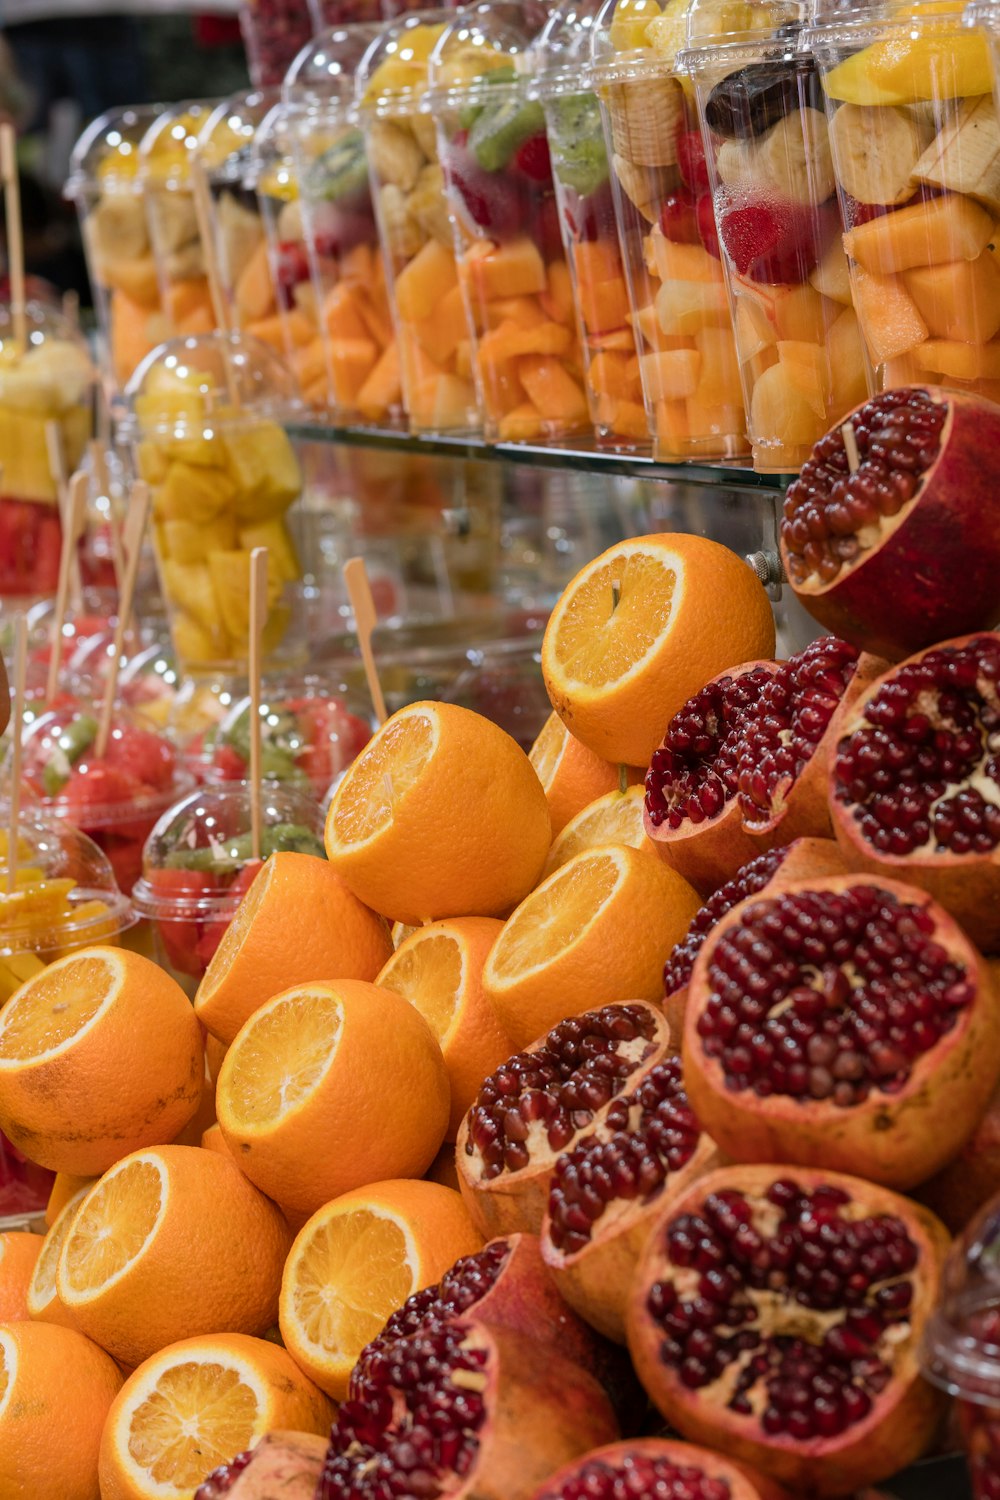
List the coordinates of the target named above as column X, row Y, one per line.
column 403, row 237
column 964, row 157
column 736, row 163
column 425, row 135
column 427, row 205
column 118, row 226
column 876, row 148
column 646, row 187
column 394, row 154
column 794, row 158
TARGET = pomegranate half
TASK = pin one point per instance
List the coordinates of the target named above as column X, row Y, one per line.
column 608, row 1190
column 282, row 1463
column 915, row 779
column 844, row 1023
column 777, row 1315
column 904, row 550
column 656, row 1469
column 540, row 1101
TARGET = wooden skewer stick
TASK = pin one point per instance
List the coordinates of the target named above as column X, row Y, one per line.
column 851, row 445
column 17, row 749
column 102, row 478
column 71, row 308
column 216, row 288
column 135, row 525
column 57, row 467
column 258, row 619
column 15, row 233
column 72, row 526
column 365, row 619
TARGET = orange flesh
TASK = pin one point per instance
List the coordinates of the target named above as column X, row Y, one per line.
column 381, row 778
column 599, row 641
column 429, row 975
column 56, row 1007
column 283, row 1056
column 198, row 1417
column 114, row 1226
column 235, row 934
column 341, row 1299
column 555, row 918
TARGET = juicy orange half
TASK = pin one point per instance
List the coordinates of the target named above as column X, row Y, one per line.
column 60, row 1006
column 380, row 780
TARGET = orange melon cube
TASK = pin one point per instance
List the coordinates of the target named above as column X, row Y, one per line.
column 890, row 319
column 686, row 307
column 383, row 389
column 761, row 361
column 510, row 340
column 604, row 305
column 629, row 420
column 514, row 270
column 351, row 363
column 440, row 334
column 520, row 425
column 342, row 313
column 557, row 298
column 596, row 260
column 374, row 313
column 848, row 363
column 300, row 330
column 719, row 373
column 647, row 324
column 676, row 262
column 425, row 281
column 418, row 367
column 254, row 289
column 670, row 375
column 130, row 333
column 501, row 388
column 807, row 366
column 317, row 395
column 754, row 328
column 959, row 361
column 359, row 264
column 270, row 331
column 902, row 371
column 924, row 234
column 199, row 320
column 619, row 342
column 780, row 413
column 832, row 277
column 673, row 433
column 526, row 312
column 710, row 422
column 185, row 298
column 802, row 315
column 606, row 374
column 958, row 300
column 309, row 363
column 551, row 389
column 463, row 359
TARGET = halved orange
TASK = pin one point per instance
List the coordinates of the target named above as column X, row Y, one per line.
column 597, row 930
column 214, row 1140
column 66, row 1186
column 297, row 922
column 441, row 815
column 329, row 1087
column 44, row 1302
column 615, row 818
column 356, row 1261
column 571, row 775
column 170, row 1243
column 18, row 1254
column 100, row 1054
column 642, row 628
column 195, row 1406
column 439, row 969
column 56, row 1389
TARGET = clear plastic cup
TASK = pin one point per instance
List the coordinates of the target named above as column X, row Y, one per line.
column 104, row 184
column 274, row 31
column 770, row 170
column 205, row 419
column 909, row 95
column 198, row 864
column 512, row 266
column 335, row 218
column 115, row 798
column 687, row 374
column 165, row 154
column 46, row 383
column 411, row 209
column 961, row 1348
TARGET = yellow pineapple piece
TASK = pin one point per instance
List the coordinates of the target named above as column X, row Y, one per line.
column 282, row 560
column 262, row 464
column 188, row 586
column 191, row 492
column 191, row 542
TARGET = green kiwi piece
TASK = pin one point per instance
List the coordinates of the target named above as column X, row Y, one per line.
column 469, row 113
column 576, row 141
column 502, row 128
column 341, row 171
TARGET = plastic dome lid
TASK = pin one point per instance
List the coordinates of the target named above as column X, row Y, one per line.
column 564, row 49
column 166, row 149
column 486, row 48
column 393, row 74
column 724, row 23
column 54, row 372
column 961, row 1349
column 106, row 157
column 271, row 168
column 66, row 896
column 325, row 69
column 631, row 35
column 182, row 386
column 225, row 140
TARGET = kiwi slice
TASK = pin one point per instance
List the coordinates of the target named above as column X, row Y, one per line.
column 469, row 113
column 502, row 128
column 576, row 141
column 232, row 853
column 341, row 171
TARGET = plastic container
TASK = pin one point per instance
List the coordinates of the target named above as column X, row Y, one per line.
column 115, row 798
column 49, row 382
column 273, row 32
column 104, row 184
column 205, row 418
column 909, row 94
column 778, row 224
column 197, row 865
column 687, row 374
column 165, row 155
column 334, row 218
column 961, row 1349
column 512, row 266
column 411, row 209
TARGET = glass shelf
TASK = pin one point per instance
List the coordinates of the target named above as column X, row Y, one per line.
column 589, row 460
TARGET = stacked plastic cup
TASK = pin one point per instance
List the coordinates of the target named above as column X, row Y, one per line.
column 916, row 152
column 771, row 173
column 165, row 155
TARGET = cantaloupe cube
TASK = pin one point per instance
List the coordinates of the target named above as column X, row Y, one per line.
column 848, row 363
column 440, row 334
column 374, row 312
column 754, row 329
column 453, row 404
column 418, row 367
column 131, row 332
column 606, row 374
column 719, row 373
column 254, row 290
column 687, row 306
column 596, row 260
column 361, row 264
column 552, row 390
column 902, row 371
column 670, row 375
column 463, row 359
column 300, row 329
column 711, row 423
column 351, row 363
column 604, row 305
column 623, row 419
column 342, row 313
column 383, row 389
column 556, row 300
column 199, row 320
column 647, row 327
column 959, row 361
column 780, row 413
column 183, row 298
column 520, row 425
column 924, row 234
column 761, row 361
column 676, row 262
column 424, row 281
column 890, row 319
column 270, row 331
column 513, row 270
column 619, row 342
column 526, row 312
column 309, row 364
column 807, row 366
column 832, row 277
column 673, row 434
column 501, row 388
column 801, row 314
column 958, row 300
column 510, row 340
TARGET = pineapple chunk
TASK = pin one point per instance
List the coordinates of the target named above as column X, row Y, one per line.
column 192, row 493
column 264, row 469
column 282, row 560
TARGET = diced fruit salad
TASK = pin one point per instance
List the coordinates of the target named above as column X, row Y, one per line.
column 165, row 155
column 916, row 151
column 307, row 740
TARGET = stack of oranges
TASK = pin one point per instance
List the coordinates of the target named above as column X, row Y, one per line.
column 248, row 1189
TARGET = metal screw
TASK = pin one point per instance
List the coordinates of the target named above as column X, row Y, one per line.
column 767, row 566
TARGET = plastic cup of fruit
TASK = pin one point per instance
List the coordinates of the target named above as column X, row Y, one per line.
column 331, row 229
column 114, row 798
column 165, row 154
column 909, row 96
column 104, row 185
column 687, row 373
column 512, row 266
column 961, row 1348
column 50, row 381
column 771, row 174
column 433, row 328
column 198, row 864
column 205, row 420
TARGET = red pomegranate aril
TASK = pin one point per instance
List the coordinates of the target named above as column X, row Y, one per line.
column 915, row 779
column 903, row 551
column 757, row 1324
column 606, row 1192
column 222, row 1479
column 655, row 1469
column 551, row 1093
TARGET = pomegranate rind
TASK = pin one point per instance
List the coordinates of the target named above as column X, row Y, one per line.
column 904, row 1418
column 967, row 1184
column 966, row 885
column 937, row 571
column 744, row 1484
column 896, row 1139
column 515, row 1202
column 282, row 1463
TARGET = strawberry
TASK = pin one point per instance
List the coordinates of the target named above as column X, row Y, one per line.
column 679, row 218
column 691, row 161
column 707, row 229
column 533, row 160
column 148, row 757
column 777, row 242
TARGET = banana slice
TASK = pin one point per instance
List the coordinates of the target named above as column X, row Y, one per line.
column 402, row 236
column 965, row 156
column 394, row 155
column 794, row 158
column 877, row 148
column 643, row 186
column 118, row 226
column 425, row 135
column 427, row 206
column 736, row 163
